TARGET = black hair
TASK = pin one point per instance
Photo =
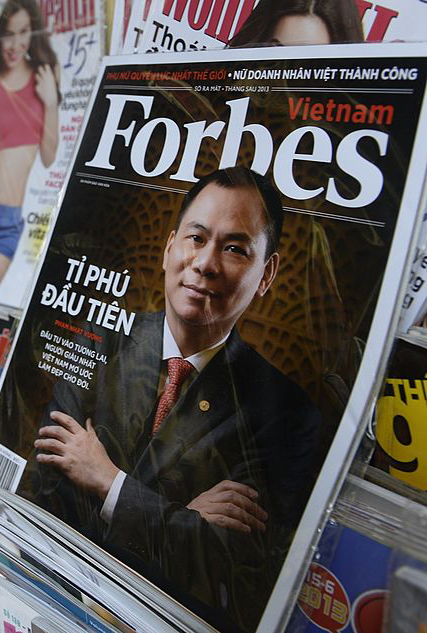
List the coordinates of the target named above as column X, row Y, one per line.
column 341, row 17
column 243, row 177
column 40, row 51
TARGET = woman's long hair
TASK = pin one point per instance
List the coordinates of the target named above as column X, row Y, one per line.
column 40, row 51
column 341, row 18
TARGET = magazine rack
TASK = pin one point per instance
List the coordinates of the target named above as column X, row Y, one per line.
column 329, row 128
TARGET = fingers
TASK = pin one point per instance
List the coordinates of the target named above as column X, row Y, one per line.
column 227, row 522
column 52, row 460
column 56, row 432
column 231, row 504
column 46, row 85
column 238, row 495
column 233, row 512
column 234, row 515
column 40, row 74
column 54, row 446
column 66, row 421
column 243, row 489
column 54, row 438
column 230, row 497
column 44, row 70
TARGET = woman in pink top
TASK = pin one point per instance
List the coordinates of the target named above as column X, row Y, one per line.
column 29, row 98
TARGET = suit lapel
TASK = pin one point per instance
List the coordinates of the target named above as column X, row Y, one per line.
column 209, row 401
column 139, row 371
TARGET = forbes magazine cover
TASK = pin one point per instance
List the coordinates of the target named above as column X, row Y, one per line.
column 218, row 285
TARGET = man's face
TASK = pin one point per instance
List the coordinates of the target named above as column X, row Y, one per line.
column 215, row 262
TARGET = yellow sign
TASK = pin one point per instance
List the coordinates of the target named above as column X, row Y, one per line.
column 408, row 402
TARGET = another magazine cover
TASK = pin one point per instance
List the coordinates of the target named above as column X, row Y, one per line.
column 401, row 421
column 49, row 58
column 177, row 25
column 345, row 590
column 414, row 308
column 226, row 257
column 393, row 20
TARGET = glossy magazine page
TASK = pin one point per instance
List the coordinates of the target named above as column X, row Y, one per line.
column 219, row 286
column 393, row 20
column 414, row 308
column 106, row 580
column 50, row 55
column 23, row 609
column 26, row 544
column 400, row 421
column 121, row 20
column 174, row 26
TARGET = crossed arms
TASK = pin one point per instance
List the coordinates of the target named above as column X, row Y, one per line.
column 78, row 453
column 199, row 516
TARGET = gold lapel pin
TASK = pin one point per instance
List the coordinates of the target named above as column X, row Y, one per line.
column 204, row 405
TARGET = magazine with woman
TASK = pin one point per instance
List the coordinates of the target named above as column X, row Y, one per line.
column 182, row 25
column 48, row 63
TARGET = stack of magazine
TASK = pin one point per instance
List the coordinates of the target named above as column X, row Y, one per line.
column 243, row 216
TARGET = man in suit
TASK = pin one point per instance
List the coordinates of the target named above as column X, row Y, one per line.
column 202, row 482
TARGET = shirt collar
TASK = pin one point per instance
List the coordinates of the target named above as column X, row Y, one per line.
column 198, row 360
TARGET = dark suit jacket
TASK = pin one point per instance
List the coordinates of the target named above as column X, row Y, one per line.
column 259, row 429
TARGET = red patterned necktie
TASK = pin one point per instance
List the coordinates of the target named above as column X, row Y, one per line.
column 178, row 371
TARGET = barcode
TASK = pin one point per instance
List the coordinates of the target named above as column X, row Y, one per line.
column 8, row 471
column 11, row 468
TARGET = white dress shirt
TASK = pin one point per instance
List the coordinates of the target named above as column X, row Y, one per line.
column 170, row 350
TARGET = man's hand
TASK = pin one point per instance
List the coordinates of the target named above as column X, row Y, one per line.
column 77, row 452
column 232, row 505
